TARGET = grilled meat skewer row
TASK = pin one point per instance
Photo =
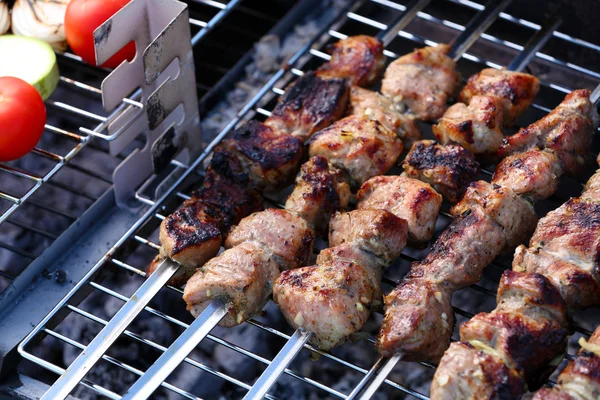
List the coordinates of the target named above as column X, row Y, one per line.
column 491, row 218
column 258, row 157
column 272, row 240
column 528, row 330
column 579, row 380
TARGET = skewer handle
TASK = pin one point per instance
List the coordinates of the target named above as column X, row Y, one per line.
column 285, row 356
column 476, row 27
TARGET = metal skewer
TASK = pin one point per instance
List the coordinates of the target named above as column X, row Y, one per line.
column 519, row 63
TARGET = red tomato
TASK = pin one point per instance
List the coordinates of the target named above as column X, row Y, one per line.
column 22, row 118
column 81, row 20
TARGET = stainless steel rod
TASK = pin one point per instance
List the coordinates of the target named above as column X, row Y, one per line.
column 476, row 27
column 411, row 11
column 107, row 336
column 281, row 361
column 177, row 352
column 534, row 45
column 366, row 379
column 380, row 377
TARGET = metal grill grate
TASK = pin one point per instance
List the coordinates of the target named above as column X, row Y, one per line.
column 367, row 17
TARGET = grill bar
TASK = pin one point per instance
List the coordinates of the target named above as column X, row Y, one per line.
column 257, row 105
column 476, row 26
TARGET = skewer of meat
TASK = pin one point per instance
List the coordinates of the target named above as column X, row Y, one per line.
column 557, row 272
column 272, row 240
column 489, row 219
column 580, row 380
column 263, row 156
column 325, row 307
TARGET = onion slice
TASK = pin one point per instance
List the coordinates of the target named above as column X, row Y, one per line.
column 41, row 19
column 4, row 17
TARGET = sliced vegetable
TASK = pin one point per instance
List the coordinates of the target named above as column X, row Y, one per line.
column 31, row 60
column 22, row 118
column 4, row 17
column 41, row 19
column 82, row 19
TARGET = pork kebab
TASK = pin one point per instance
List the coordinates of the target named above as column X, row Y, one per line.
column 346, row 147
column 265, row 156
column 266, row 242
column 306, row 295
column 491, row 99
column 510, row 348
column 491, row 217
column 255, row 157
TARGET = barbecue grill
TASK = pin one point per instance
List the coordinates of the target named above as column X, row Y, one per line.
column 97, row 250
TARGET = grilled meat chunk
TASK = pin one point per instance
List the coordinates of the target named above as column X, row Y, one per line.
column 476, row 127
column 423, row 81
column 330, row 300
column 270, row 157
column 358, row 145
column 380, row 108
column 408, row 198
column 287, row 235
column 519, row 338
column 514, row 214
column 318, row 193
column 333, row 298
column 193, row 234
column 242, row 277
column 225, row 200
column 533, row 173
column 468, row 373
column 419, row 320
column 580, row 380
column 358, row 58
column 309, row 104
column 515, row 90
column 565, row 248
column 375, row 231
column 567, row 131
column 448, row 169
column 190, row 237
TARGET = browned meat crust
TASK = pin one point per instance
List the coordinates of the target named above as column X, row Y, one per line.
column 319, row 192
column 448, row 169
column 269, row 157
column 309, row 104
